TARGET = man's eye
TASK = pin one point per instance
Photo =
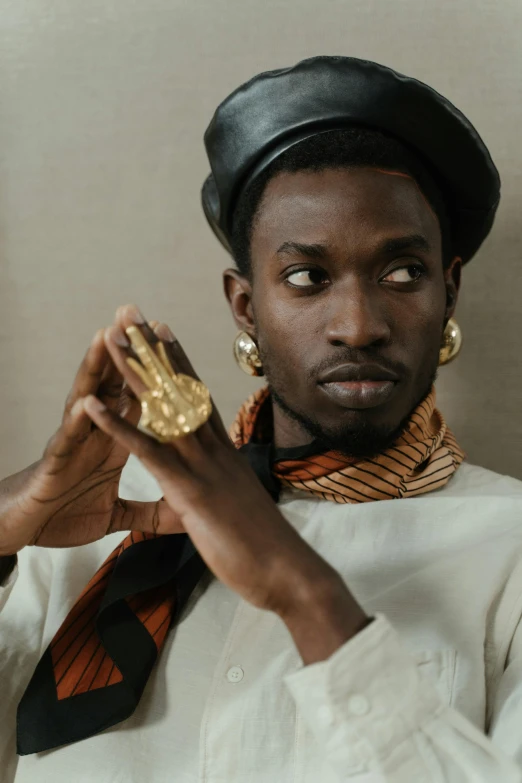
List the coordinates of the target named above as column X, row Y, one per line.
column 405, row 274
column 305, row 278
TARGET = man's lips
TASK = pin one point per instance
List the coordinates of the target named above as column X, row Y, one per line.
column 359, row 386
column 358, row 372
column 359, row 394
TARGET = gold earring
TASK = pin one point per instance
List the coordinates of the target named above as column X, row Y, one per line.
column 451, row 342
column 246, row 354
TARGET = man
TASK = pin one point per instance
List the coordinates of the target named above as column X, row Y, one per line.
column 346, row 604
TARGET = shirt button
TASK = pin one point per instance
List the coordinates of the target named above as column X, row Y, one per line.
column 358, row 705
column 235, row 674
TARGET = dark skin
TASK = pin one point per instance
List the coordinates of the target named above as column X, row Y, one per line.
column 210, row 490
column 357, row 310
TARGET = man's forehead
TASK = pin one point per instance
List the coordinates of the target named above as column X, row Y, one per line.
column 319, row 204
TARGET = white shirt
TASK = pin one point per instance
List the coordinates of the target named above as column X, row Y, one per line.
column 430, row 691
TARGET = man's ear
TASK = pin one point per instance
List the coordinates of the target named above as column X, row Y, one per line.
column 452, row 277
column 238, row 291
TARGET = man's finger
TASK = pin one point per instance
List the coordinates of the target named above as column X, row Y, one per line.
column 119, row 348
column 152, row 369
column 90, row 372
column 111, row 386
column 143, row 446
column 130, row 315
column 75, row 429
column 130, row 406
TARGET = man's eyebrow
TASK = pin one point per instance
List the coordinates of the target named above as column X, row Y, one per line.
column 299, row 249
column 320, row 251
column 416, row 241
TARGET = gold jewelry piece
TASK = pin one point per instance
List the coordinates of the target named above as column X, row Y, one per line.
column 451, row 342
column 175, row 404
column 246, row 354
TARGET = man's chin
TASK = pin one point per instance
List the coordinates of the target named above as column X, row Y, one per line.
column 355, row 433
column 355, row 436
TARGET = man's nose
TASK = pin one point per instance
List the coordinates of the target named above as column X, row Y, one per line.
column 357, row 318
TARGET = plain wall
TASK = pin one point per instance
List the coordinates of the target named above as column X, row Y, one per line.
column 103, row 106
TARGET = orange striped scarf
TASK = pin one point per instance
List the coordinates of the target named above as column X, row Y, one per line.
column 423, row 459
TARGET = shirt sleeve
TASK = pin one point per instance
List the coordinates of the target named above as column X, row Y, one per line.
column 372, row 712
column 24, row 597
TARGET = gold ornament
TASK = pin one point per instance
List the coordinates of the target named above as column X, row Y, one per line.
column 175, row 404
column 451, row 342
column 246, row 354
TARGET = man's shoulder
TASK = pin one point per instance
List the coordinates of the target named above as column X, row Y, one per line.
column 475, row 481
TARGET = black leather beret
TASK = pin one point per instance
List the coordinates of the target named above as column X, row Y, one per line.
column 277, row 109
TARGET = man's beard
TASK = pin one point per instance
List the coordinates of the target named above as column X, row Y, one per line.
column 362, row 440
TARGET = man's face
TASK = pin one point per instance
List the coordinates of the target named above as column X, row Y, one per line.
column 347, row 270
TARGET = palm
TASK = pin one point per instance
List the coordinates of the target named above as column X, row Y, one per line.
column 75, row 498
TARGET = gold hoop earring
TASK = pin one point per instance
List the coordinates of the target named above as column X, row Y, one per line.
column 246, row 354
column 451, row 342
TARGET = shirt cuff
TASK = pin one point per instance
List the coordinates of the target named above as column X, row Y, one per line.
column 7, row 585
column 366, row 699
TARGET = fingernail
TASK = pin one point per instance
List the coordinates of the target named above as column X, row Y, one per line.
column 116, row 335
column 134, row 313
column 94, row 404
column 77, row 407
column 164, row 333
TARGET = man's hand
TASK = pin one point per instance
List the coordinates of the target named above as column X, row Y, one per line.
column 231, row 519
column 70, row 496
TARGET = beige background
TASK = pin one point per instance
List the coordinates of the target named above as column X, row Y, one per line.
column 103, row 105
